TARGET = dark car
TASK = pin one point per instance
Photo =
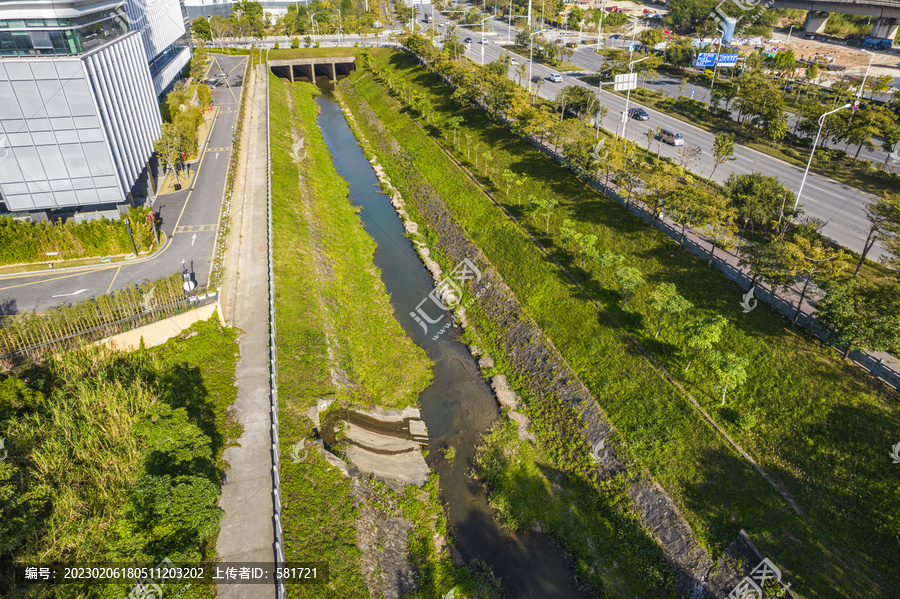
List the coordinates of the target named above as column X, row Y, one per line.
column 535, row 78
column 615, row 37
column 639, row 114
column 468, row 40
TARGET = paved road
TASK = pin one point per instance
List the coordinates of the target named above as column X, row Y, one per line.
column 189, row 218
column 839, row 205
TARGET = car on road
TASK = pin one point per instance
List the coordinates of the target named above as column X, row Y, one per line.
column 468, row 40
column 483, row 41
column 639, row 114
column 535, row 78
column 513, row 62
column 554, row 78
column 615, row 37
column 670, row 136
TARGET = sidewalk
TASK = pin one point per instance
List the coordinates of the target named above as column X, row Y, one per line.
column 247, row 532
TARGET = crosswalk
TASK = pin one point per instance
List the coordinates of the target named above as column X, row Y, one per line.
column 196, row 228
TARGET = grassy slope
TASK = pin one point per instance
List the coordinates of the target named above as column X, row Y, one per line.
column 319, row 511
column 820, row 426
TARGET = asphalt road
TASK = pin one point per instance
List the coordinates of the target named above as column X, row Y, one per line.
column 189, row 218
column 839, row 205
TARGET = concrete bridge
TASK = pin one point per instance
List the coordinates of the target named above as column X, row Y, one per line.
column 886, row 13
column 307, row 69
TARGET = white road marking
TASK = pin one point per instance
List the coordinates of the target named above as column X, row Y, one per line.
column 217, row 154
column 193, row 239
column 70, row 294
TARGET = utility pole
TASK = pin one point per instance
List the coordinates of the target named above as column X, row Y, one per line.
column 818, row 133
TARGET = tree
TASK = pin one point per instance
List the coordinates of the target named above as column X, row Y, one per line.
column 723, row 151
column 542, row 207
column 168, row 146
column 509, row 177
column 567, row 231
column 487, row 159
column 870, row 120
column 860, row 315
column 728, row 370
column 767, row 262
column 666, row 300
column 884, row 222
column 219, row 28
column 629, row 279
column 661, row 181
column 586, row 247
column 759, row 199
column 702, row 333
column 812, row 261
column 200, row 29
column 891, row 144
column 651, row 37
column 607, row 261
column 717, row 218
column 686, row 206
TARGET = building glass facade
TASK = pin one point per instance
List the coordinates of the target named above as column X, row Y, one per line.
column 61, row 36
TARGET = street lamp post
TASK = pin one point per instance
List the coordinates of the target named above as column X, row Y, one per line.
column 481, row 42
column 128, row 226
column 862, row 87
column 627, row 99
column 813, row 151
column 340, row 27
column 531, row 58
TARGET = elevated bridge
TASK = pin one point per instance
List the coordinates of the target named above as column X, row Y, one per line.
column 307, row 69
column 885, row 12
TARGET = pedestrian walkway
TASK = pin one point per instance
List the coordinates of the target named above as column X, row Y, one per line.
column 247, row 533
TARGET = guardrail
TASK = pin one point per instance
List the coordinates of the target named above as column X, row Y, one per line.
column 281, row 590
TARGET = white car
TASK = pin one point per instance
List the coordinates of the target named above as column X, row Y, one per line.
column 483, row 41
column 554, row 78
column 513, row 62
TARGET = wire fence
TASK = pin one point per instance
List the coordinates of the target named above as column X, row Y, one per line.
column 32, row 337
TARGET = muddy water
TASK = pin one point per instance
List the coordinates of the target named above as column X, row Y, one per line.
column 458, row 407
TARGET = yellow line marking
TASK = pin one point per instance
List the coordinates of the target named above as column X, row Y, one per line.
column 113, row 280
column 199, row 166
column 78, row 274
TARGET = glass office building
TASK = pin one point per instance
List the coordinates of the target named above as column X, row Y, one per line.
column 79, row 83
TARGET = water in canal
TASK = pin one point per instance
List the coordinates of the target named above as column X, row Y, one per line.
column 459, row 406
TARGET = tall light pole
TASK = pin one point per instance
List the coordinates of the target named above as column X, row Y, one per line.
column 340, row 27
column 625, row 118
column 788, row 42
column 483, row 39
column 818, row 133
column 531, row 59
column 866, row 76
column 716, row 65
column 600, row 28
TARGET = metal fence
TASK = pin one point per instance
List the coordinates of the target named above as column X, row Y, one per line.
column 281, row 590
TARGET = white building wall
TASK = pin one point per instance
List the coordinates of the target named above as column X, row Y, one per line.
column 172, row 70
column 75, row 130
column 159, row 22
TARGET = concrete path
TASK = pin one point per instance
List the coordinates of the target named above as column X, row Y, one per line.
column 247, row 533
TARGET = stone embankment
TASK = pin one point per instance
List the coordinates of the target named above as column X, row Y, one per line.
column 544, row 372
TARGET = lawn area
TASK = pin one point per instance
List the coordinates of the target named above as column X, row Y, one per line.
column 337, row 337
column 820, row 427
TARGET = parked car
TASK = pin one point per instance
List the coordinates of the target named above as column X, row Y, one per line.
column 554, row 78
column 639, row 114
column 671, row 137
column 612, row 9
column 615, row 37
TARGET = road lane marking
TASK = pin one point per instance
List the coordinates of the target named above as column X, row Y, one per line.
column 108, row 289
column 70, row 294
column 196, row 228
